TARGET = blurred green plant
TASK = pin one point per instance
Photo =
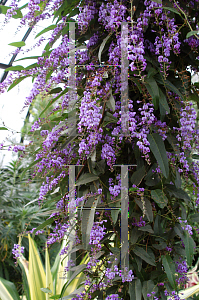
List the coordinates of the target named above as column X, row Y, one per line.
column 41, row 282
column 20, row 213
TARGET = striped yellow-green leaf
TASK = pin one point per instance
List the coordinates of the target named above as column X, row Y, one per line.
column 8, row 290
column 49, row 278
column 37, row 277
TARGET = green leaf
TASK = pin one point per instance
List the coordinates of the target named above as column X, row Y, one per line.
column 170, row 269
column 148, row 287
column 144, row 255
column 16, row 81
column 158, row 1
column 86, row 178
column 55, row 91
column 170, row 86
column 194, row 217
column 88, row 219
column 14, row 68
column 79, row 269
column 111, row 102
column 135, row 290
column 37, row 275
column 178, row 181
column 195, row 156
column 190, row 33
column 3, row 10
column 151, row 72
column 158, row 148
column 149, row 211
column 135, row 234
column 189, row 247
column 3, row 128
column 29, row 57
column 138, row 262
column 137, row 82
column 147, row 228
column 18, row 44
column 44, row 224
column 102, row 47
column 46, row 290
column 51, row 27
column 159, row 197
column 160, row 246
column 171, row 9
column 138, row 175
column 53, row 101
column 163, row 101
column 178, row 193
column 8, row 290
column 153, row 90
column 35, row 65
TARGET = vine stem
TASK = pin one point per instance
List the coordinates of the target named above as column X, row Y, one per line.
column 185, row 18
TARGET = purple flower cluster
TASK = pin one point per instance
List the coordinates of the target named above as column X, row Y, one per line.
column 173, row 295
column 115, row 189
column 17, row 251
column 181, row 270
column 139, row 223
column 17, row 148
column 187, row 126
column 112, row 15
column 97, row 233
column 86, row 15
column 186, row 227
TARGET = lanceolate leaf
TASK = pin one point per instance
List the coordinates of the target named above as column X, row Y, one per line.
column 37, row 277
column 135, row 290
column 3, row 128
column 88, row 219
column 159, row 197
column 163, row 101
column 17, row 81
column 144, row 255
column 15, row 68
column 170, row 269
column 189, row 247
column 102, row 47
column 18, row 44
column 8, row 290
column 49, row 280
column 44, row 224
column 159, row 151
column 51, row 27
column 86, row 178
column 153, row 90
column 148, row 287
column 55, row 91
column 194, row 217
column 171, row 9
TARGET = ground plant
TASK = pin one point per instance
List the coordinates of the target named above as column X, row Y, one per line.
column 122, row 152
